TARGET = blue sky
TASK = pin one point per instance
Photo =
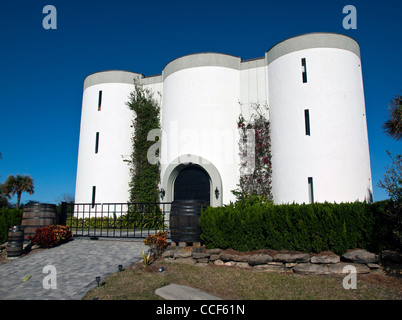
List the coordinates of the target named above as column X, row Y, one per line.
column 42, row 71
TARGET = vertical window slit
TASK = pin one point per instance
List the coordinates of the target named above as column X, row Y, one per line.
column 100, row 101
column 307, row 121
column 97, row 142
column 310, row 190
column 304, row 70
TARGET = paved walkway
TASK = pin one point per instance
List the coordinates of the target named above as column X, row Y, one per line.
column 76, row 265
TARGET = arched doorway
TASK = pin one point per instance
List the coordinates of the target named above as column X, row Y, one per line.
column 192, row 183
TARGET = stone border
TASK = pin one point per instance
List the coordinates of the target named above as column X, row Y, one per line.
column 301, row 263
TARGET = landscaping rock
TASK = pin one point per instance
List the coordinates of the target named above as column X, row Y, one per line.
column 203, row 261
column 213, row 257
column 360, row 256
column 292, row 257
column 187, row 260
column 325, row 259
column 270, row 268
column 182, row 254
column 310, row 268
column 339, row 268
column 290, row 264
column 216, row 251
column 200, row 255
column 167, row 254
column 373, row 266
column 219, row 262
column 224, row 256
column 257, row 259
column 242, row 265
column 330, row 268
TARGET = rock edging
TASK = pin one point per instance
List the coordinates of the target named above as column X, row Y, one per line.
column 302, row 263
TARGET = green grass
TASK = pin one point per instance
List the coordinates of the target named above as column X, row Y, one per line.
column 136, row 283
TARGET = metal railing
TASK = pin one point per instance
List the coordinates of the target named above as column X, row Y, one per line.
column 122, row 220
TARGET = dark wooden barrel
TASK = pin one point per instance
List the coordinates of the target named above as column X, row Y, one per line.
column 37, row 216
column 184, row 220
column 15, row 241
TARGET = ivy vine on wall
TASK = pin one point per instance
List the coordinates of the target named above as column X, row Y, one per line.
column 255, row 155
column 145, row 175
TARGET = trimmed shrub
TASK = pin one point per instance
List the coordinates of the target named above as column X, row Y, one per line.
column 133, row 220
column 257, row 224
column 9, row 218
column 50, row 236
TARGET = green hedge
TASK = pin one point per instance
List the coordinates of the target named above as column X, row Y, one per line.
column 8, row 218
column 149, row 220
column 317, row 227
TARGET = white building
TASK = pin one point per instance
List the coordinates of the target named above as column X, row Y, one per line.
column 314, row 89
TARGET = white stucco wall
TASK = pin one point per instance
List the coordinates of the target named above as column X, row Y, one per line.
column 336, row 153
column 201, row 97
column 200, row 110
column 253, row 87
column 106, row 170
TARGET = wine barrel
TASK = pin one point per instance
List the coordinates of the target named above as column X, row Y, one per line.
column 36, row 216
column 15, row 241
column 184, row 220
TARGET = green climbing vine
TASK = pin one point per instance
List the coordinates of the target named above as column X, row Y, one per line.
column 255, row 155
column 145, row 174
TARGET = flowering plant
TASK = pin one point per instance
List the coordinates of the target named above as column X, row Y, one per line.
column 50, row 236
column 157, row 240
column 255, row 156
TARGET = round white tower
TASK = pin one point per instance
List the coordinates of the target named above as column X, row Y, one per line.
column 200, row 110
column 102, row 175
column 318, row 120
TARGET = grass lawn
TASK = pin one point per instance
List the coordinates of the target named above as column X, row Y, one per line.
column 230, row 283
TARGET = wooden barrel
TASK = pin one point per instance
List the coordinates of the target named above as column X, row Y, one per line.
column 37, row 216
column 184, row 220
column 15, row 241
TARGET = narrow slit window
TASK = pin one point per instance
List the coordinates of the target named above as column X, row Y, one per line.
column 307, row 121
column 304, row 70
column 100, row 101
column 310, row 190
column 93, row 196
column 97, row 142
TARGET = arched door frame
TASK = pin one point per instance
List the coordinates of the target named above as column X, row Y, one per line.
column 174, row 168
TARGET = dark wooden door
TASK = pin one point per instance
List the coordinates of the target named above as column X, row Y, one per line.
column 192, row 183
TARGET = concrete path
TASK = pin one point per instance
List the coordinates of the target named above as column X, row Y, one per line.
column 74, row 266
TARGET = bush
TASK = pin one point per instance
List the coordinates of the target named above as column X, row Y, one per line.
column 257, row 224
column 9, row 218
column 50, row 236
column 132, row 220
column 387, row 228
column 157, row 241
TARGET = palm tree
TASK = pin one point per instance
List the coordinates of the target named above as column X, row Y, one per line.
column 18, row 185
column 393, row 127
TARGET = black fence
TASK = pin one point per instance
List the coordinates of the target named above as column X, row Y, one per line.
column 120, row 220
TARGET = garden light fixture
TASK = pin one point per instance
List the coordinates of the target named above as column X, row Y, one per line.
column 98, row 280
